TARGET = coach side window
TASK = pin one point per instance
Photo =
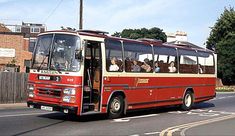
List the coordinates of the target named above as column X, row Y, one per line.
column 138, row 57
column 114, row 62
column 188, row 61
column 165, row 58
column 206, row 63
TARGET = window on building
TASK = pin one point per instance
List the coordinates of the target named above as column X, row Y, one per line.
column 35, row 30
column 18, row 29
column 27, row 64
column 165, row 60
column 206, row 63
column 114, row 62
column 138, row 57
column 32, row 43
column 188, row 61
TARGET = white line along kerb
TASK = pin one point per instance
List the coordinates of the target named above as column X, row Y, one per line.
column 29, row 114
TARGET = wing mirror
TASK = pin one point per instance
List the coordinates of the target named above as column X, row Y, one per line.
column 78, row 54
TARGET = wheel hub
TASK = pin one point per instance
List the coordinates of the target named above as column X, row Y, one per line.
column 115, row 106
column 188, row 100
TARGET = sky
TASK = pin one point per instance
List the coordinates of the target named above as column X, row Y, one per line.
column 195, row 17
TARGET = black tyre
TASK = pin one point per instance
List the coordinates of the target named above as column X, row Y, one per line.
column 187, row 101
column 116, row 107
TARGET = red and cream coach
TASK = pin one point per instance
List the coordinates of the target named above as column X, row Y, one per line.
column 88, row 72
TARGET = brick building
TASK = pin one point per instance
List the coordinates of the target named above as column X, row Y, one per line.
column 16, row 45
column 29, row 31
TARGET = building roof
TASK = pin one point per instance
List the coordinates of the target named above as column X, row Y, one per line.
column 3, row 28
column 184, row 44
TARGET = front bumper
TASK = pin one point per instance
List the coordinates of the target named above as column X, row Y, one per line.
column 37, row 105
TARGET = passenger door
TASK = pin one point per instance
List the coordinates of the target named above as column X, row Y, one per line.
column 92, row 80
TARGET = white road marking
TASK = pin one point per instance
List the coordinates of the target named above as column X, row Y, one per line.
column 203, row 113
column 147, row 133
column 199, row 110
column 143, row 116
column 221, row 98
column 121, row 120
column 221, row 112
column 230, row 96
column 225, row 112
column 152, row 133
column 209, row 114
column 183, row 127
column 224, row 97
column 192, row 113
column 135, row 117
column 178, row 112
column 134, row 135
column 26, row 114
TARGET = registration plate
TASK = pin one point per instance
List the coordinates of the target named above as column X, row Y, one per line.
column 44, row 77
column 47, row 108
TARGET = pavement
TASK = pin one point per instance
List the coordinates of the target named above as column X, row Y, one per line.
column 13, row 105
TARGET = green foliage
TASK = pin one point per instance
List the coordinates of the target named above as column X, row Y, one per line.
column 117, row 34
column 224, row 89
column 12, row 63
column 226, row 59
column 152, row 33
column 223, row 26
column 222, row 40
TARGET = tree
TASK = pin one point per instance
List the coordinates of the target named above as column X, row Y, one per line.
column 12, row 63
column 117, row 34
column 68, row 28
column 226, row 59
column 224, row 25
column 152, row 33
column 222, row 41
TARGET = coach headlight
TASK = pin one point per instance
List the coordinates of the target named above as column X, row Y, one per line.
column 69, row 91
column 31, row 94
column 30, row 87
column 69, row 99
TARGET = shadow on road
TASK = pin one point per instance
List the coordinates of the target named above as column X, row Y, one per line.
column 75, row 118
column 35, row 129
column 203, row 105
column 98, row 117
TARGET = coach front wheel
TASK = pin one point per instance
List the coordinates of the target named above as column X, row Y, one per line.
column 116, row 107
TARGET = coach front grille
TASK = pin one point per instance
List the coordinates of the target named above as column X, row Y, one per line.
column 49, row 92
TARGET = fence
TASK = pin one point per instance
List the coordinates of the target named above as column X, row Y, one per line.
column 13, row 87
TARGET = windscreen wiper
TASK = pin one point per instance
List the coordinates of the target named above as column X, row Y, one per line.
column 42, row 62
column 46, row 56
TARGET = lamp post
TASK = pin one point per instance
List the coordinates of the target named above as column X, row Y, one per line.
column 81, row 15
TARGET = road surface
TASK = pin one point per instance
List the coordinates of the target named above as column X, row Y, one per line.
column 214, row 117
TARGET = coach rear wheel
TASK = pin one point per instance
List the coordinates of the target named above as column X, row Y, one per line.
column 116, row 107
column 187, row 101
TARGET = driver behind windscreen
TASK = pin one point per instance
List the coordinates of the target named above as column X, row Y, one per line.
column 58, row 58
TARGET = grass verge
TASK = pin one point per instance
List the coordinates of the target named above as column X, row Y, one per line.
column 225, row 89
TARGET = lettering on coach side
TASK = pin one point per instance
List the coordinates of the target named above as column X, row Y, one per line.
column 142, row 81
column 107, row 89
column 49, row 72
